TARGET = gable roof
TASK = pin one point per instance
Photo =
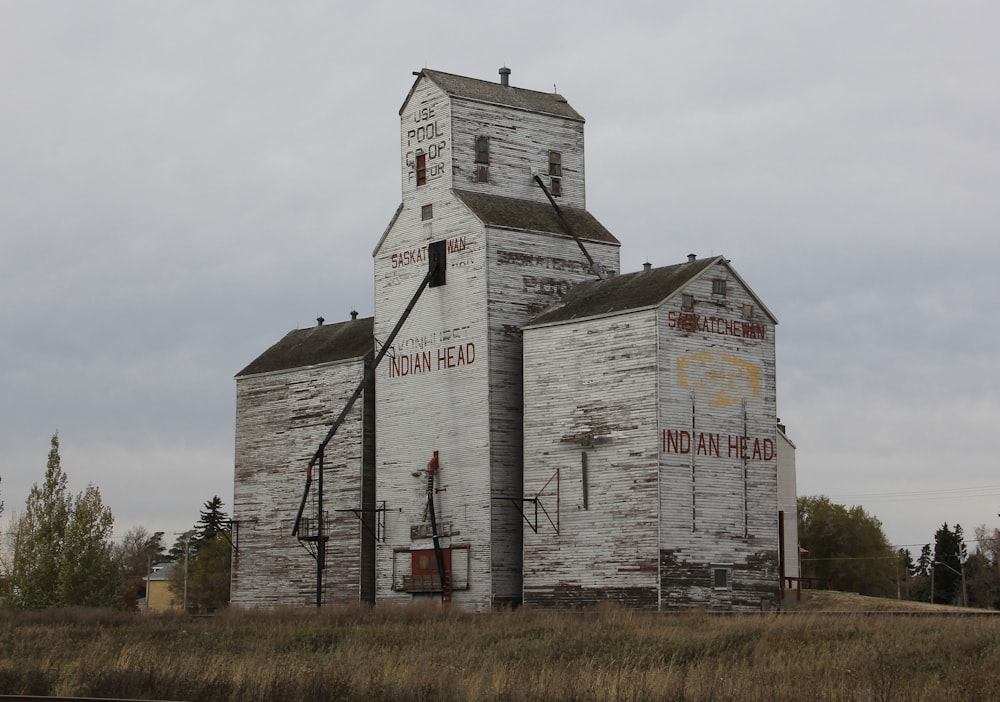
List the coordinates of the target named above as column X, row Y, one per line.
column 632, row 291
column 325, row 343
column 496, row 94
column 514, row 213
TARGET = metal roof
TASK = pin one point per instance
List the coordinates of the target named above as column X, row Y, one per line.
column 514, row 213
column 320, row 344
column 497, row 94
column 630, row 291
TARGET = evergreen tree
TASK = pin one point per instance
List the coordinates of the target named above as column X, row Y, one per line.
column 88, row 572
column 925, row 561
column 39, row 535
column 949, row 557
column 209, row 574
column 212, row 522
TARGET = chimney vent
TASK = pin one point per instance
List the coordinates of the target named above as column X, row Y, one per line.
column 505, row 76
column 692, row 257
column 354, row 314
column 647, row 266
column 319, row 321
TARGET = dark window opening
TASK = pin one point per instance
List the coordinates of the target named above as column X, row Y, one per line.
column 421, row 169
column 556, row 187
column 555, row 163
column 483, row 150
column 427, row 212
column 718, row 286
column 687, row 302
column 720, row 578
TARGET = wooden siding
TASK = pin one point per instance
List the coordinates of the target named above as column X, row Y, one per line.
column 684, row 408
column 520, row 143
column 591, row 414
column 281, row 418
column 468, row 411
column 429, row 399
column 527, row 272
column 717, row 441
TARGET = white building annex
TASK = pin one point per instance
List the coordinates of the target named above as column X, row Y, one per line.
column 518, row 434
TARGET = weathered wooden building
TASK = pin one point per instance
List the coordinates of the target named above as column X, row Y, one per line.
column 470, row 151
column 286, row 400
column 650, row 423
column 450, row 457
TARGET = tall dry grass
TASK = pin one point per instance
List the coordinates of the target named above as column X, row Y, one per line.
column 425, row 653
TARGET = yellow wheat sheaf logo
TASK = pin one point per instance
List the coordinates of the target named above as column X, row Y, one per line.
column 722, row 379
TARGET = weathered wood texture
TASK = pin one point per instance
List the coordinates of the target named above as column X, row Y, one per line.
column 281, row 419
column 677, row 421
column 591, row 418
column 718, row 495
column 454, row 385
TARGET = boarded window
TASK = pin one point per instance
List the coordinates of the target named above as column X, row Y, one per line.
column 687, row 302
column 556, row 187
column 555, row 164
column 718, row 286
column 427, row 212
column 483, row 150
column 421, row 169
column 747, row 311
column 720, row 578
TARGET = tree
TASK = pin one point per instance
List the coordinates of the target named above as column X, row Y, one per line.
column 846, row 547
column 63, row 554
column 205, row 584
column 39, row 536
column 209, row 574
column 949, row 556
column 89, row 574
column 925, row 561
column 212, row 522
column 138, row 552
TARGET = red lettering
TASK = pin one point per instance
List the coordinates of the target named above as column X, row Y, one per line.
column 713, row 444
column 734, row 445
column 678, row 442
column 756, row 450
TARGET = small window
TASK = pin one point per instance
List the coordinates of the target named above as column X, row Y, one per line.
column 421, row 169
column 483, row 150
column 720, row 578
column 555, row 164
column 747, row 311
column 718, row 286
column 687, row 302
column 427, row 212
column 556, row 187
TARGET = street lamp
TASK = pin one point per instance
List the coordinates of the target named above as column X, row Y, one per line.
column 965, row 599
column 187, row 550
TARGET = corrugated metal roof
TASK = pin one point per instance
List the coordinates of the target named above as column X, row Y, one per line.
column 497, row 94
column 623, row 292
column 320, row 344
column 513, row 213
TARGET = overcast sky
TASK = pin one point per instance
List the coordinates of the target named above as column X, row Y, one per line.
column 182, row 183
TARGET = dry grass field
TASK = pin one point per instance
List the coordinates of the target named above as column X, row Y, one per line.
column 832, row 647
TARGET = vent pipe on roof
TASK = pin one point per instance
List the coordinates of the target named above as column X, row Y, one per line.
column 354, row 314
column 505, row 76
column 319, row 321
column 647, row 266
column 692, row 257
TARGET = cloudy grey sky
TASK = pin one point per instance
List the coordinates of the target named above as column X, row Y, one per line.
column 181, row 183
